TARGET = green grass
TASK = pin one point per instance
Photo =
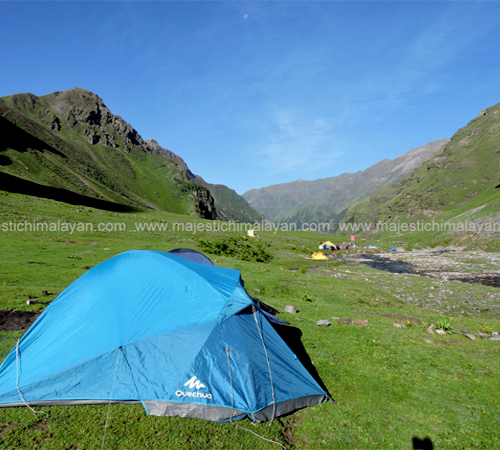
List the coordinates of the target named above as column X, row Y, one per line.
column 389, row 384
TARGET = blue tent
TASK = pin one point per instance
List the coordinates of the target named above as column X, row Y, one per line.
column 180, row 337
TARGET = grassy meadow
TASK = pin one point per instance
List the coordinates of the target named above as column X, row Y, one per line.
column 392, row 387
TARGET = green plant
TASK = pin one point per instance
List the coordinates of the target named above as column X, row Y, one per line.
column 443, row 323
column 485, row 329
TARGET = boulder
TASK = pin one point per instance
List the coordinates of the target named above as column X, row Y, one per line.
column 323, row 323
column 470, row 336
column 291, row 309
column 440, row 332
column 399, row 325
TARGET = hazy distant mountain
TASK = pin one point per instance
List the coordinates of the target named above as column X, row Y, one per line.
column 327, row 199
column 69, row 146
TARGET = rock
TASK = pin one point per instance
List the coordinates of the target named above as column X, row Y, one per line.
column 399, row 325
column 323, row 323
column 428, row 341
column 482, row 112
column 495, row 338
column 361, row 322
column 495, row 333
column 31, row 301
column 470, row 336
column 430, row 330
column 484, row 335
column 440, row 332
column 335, row 318
column 460, row 332
column 291, row 309
column 45, row 293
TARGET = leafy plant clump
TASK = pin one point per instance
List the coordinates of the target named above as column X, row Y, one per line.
column 443, row 323
column 240, row 247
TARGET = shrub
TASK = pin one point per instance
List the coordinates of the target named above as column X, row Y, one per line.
column 237, row 247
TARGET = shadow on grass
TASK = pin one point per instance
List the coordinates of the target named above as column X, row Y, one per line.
column 17, row 185
column 292, row 337
column 422, row 444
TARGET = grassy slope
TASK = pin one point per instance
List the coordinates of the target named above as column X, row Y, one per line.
column 389, row 383
column 66, row 160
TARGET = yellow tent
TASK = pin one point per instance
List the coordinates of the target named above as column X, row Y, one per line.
column 319, row 255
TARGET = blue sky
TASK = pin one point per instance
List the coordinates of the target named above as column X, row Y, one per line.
column 258, row 93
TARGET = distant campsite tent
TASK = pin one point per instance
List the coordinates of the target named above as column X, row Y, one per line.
column 372, row 246
column 319, row 255
column 180, row 337
column 326, row 245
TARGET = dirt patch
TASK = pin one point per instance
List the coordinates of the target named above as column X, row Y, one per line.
column 289, row 423
column 8, row 426
column 17, row 320
column 40, row 426
column 69, row 241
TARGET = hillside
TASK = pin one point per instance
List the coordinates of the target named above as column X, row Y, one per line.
column 229, row 205
column 69, row 146
column 327, row 199
column 461, row 182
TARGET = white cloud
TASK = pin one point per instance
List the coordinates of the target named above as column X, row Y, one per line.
column 245, row 16
column 298, row 144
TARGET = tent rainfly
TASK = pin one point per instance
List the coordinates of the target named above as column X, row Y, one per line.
column 181, row 337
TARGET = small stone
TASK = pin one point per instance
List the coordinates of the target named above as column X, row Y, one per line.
column 428, row 341
column 470, row 336
column 335, row 318
column 399, row 325
column 495, row 338
column 291, row 309
column 361, row 322
column 31, row 301
column 347, row 321
column 440, row 332
column 430, row 330
column 323, row 323
column 45, row 293
column 495, row 333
